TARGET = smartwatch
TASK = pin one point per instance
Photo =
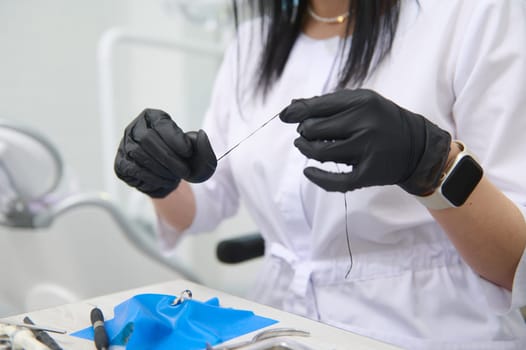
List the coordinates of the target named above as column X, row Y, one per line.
column 457, row 183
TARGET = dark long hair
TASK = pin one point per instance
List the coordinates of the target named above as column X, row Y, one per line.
column 373, row 33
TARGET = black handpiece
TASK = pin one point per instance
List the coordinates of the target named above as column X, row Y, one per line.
column 99, row 332
column 43, row 336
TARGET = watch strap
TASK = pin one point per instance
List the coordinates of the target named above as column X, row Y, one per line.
column 437, row 200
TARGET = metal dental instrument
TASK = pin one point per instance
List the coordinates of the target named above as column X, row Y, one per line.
column 43, row 336
column 267, row 334
column 243, row 140
column 185, row 294
column 100, row 337
column 20, row 338
column 35, row 327
column 5, row 342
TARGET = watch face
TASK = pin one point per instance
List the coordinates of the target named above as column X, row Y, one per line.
column 462, row 181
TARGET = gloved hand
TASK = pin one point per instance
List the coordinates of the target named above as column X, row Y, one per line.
column 155, row 154
column 384, row 143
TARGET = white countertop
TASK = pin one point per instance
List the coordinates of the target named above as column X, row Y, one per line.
column 73, row 317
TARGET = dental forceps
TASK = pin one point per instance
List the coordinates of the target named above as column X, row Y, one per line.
column 267, row 334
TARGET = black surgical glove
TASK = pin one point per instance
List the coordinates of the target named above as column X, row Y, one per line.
column 384, row 143
column 155, row 154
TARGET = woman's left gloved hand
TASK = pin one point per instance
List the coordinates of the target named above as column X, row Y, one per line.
column 384, row 143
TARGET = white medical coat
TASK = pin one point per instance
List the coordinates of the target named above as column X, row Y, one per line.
column 459, row 63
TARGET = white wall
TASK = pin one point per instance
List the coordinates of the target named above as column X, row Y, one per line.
column 48, row 81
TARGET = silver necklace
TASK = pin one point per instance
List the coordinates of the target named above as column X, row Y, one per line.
column 331, row 20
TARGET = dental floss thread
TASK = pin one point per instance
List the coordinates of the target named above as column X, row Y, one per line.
column 249, row 135
column 347, row 234
column 341, row 45
column 325, row 89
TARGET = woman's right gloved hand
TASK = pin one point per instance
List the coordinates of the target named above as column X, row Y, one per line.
column 155, row 154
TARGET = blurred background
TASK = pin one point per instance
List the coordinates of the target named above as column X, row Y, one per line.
column 77, row 72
